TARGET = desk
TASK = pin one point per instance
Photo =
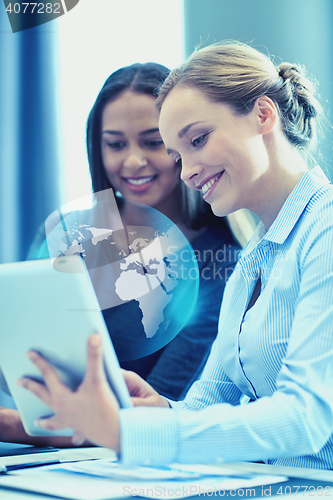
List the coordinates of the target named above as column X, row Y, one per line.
column 305, row 483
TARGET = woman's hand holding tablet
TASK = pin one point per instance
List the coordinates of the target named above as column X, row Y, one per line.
column 93, row 398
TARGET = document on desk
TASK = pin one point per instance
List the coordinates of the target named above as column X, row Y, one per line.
column 54, row 455
column 105, row 480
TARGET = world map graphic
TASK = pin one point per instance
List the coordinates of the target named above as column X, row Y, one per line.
column 145, row 290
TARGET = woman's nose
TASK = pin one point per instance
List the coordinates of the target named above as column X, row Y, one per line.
column 190, row 172
column 135, row 159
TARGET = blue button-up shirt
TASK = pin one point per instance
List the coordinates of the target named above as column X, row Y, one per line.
column 279, row 353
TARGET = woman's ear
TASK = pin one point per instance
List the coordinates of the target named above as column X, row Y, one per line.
column 267, row 114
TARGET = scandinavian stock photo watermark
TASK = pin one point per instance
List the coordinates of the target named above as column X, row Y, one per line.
column 220, row 264
column 212, row 264
column 258, row 492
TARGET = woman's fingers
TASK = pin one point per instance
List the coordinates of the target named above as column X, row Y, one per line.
column 78, row 439
column 36, row 388
column 50, row 423
column 49, row 374
column 155, row 401
column 95, row 367
column 136, row 385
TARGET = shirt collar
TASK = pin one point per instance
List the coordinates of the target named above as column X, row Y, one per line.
column 292, row 209
column 295, row 204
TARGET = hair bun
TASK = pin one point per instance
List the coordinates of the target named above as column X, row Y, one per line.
column 296, row 76
column 290, row 72
column 301, row 87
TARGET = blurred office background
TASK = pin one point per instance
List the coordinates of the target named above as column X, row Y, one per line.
column 51, row 74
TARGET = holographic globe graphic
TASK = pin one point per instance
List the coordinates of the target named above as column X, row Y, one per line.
column 145, row 288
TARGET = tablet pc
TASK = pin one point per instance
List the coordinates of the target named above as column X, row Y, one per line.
column 50, row 305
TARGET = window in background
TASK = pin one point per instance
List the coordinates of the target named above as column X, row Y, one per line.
column 96, row 38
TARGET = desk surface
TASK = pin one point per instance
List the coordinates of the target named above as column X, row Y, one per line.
column 303, row 483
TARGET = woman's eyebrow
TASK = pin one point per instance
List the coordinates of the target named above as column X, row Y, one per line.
column 184, row 130
column 114, row 132
column 150, row 131
column 144, row 132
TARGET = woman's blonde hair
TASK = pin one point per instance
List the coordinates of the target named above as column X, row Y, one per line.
column 237, row 74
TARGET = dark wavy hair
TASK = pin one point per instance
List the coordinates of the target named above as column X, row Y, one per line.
column 143, row 79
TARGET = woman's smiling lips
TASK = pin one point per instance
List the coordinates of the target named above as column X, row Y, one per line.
column 208, row 185
column 139, row 184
